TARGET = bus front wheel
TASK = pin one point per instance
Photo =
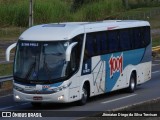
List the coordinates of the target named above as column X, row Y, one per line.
column 84, row 96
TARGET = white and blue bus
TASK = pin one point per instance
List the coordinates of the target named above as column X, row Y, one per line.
column 67, row 62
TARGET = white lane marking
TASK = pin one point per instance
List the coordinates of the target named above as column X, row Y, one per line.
column 118, row 99
column 13, row 106
column 6, row 95
column 155, row 72
column 155, row 64
column 157, row 60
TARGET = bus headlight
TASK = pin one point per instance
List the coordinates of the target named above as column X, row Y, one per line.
column 17, row 97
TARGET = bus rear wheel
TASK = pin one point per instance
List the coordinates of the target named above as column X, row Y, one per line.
column 84, row 97
column 132, row 84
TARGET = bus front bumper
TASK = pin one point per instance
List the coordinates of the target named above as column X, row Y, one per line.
column 58, row 97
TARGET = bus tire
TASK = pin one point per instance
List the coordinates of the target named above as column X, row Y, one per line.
column 84, row 97
column 36, row 104
column 132, row 84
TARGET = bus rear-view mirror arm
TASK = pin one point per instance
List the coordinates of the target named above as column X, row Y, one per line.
column 69, row 50
column 8, row 50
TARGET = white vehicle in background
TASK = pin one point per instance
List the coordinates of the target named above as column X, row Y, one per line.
column 66, row 62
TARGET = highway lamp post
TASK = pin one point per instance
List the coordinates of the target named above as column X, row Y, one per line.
column 31, row 13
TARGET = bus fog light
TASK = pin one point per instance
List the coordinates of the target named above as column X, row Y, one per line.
column 17, row 97
column 61, row 97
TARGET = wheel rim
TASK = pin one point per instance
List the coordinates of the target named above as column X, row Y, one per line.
column 84, row 95
column 132, row 84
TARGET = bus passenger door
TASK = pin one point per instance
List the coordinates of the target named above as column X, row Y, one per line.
column 98, row 73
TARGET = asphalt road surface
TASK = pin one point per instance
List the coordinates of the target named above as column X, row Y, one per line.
column 147, row 91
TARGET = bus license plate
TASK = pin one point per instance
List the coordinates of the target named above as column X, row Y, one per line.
column 37, row 98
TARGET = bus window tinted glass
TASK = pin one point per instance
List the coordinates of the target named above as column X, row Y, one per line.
column 137, row 38
column 101, row 42
column 146, row 36
column 113, row 41
column 89, row 45
column 124, row 37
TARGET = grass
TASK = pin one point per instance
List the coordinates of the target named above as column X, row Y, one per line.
column 10, row 33
column 51, row 11
column 16, row 13
column 97, row 10
column 156, row 40
column 154, row 21
column 6, row 69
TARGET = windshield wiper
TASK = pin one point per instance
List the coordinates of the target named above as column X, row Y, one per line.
column 54, row 53
column 29, row 71
column 58, row 54
column 47, row 69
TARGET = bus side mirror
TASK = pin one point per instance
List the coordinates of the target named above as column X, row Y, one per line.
column 9, row 50
column 69, row 50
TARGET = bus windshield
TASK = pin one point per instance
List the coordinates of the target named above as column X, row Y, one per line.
column 40, row 61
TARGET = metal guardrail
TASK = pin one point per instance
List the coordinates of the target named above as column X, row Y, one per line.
column 5, row 62
column 6, row 78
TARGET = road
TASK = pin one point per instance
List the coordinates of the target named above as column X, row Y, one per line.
column 110, row 101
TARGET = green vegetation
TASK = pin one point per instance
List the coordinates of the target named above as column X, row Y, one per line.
column 10, row 33
column 97, row 10
column 16, row 12
column 6, row 69
column 13, row 13
column 155, row 40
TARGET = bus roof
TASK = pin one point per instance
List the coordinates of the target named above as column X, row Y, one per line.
column 67, row 30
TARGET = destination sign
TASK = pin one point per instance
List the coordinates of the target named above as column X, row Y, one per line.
column 30, row 44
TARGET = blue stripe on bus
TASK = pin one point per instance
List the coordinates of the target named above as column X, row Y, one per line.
column 132, row 57
column 147, row 54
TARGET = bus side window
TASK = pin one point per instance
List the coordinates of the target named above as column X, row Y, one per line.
column 76, row 53
column 101, row 42
column 74, row 59
column 89, row 51
column 137, row 38
column 113, row 41
column 79, row 40
column 104, row 42
column 146, row 36
column 125, row 42
column 98, row 43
